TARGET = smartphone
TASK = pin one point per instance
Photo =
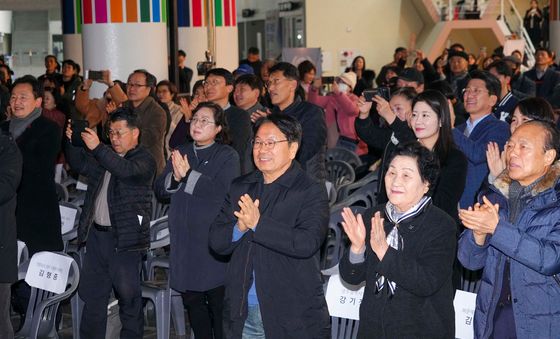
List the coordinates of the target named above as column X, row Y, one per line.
column 369, row 94
column 95, row 75
column 327, row 80
column 384, row 92
column 78, row 126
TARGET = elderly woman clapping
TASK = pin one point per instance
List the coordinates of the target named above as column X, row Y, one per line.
column 404, row 250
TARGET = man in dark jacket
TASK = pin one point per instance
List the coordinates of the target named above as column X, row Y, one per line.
column 521, row 86
column 218, row 85
column 273, row 223
column 10, row 175
column 114, row 225
column 152, row 120
column 515, row 238
column 282, row 85
column 543, row 74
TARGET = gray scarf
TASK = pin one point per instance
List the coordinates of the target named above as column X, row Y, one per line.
column 18, row 125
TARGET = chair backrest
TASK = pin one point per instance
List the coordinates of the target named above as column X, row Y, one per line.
column 159, row 209
column 365, row 196
column 159, row 233
column 339, row 153
column 334, row 246
column 40, row 318
column 344, row 328
column 340, row 173
column 369, row 179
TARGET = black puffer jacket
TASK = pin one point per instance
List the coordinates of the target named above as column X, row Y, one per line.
column 129, row 193
column 311, row 154
column 10, row 175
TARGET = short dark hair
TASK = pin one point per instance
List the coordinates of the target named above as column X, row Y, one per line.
column 219, row 118
column 428, row 164
column 491, row 83
column 552, row 136
column 253, row 50
column 443, row 87
column 150, row 78
column 250, row 80
column 124, row 114
column 288, row 70
column 536, row 108
column 50, row 56
column 182, row 53
column 400, row 49
column 501, row 68
column 544, row 49
column 221, row 72
column 288, row 125
column 408, row 93
column 30, row 80
column 197, row 84
column 456, row 46
column 171, row 86
column 305, row 67
column 438, row 103
column 71, row 63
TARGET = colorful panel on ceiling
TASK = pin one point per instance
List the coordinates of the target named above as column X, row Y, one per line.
column 194, row 13
column 71, row 16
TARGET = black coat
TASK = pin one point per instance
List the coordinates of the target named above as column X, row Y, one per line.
column 311, row 154
column 283, row 252
column 240, row 128
column 195, row 203
column 129, row 194
column 37, row 213
column 10, row 175
column 422, row 306
column 545, row 85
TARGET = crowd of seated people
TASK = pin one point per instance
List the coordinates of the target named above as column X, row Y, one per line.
column 465, row 150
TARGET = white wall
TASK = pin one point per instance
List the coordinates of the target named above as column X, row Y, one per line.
column 374, row 27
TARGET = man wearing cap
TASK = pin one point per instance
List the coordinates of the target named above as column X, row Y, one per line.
column 521, row 85
column 544, row 76
column 253, row 60
column 242, row 70
column 411, row 77
column 458, row 71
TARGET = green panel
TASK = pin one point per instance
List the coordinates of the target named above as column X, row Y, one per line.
column 163, row 11
column 218, row 12
column 145, row 10
column 78, row 20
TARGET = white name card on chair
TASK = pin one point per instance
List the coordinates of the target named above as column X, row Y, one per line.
column 48, row 271
column 82, row 183
column 465, row 304
column 67, row 218
column 343, row 300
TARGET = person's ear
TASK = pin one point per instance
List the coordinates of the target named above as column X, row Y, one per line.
column 293, row 148
column 549, row 157
column 229, row 88
column 38, row 102
column 136, row 132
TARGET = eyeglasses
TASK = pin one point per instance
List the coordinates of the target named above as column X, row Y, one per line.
column 118, row 133
column 212, row 83
column 129, row 84
column 268, row 144
column 274, row 82
column 203, row 122
column 474, row 90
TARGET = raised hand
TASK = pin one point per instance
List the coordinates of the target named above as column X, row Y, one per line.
column 180, row 165
column 378, row 238
column 249, row 213
column 90, row 138
column 355, row 230
column 495, row 159
column 364, row 106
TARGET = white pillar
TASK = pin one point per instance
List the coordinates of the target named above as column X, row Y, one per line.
column 554, row 30
column 124, row 36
